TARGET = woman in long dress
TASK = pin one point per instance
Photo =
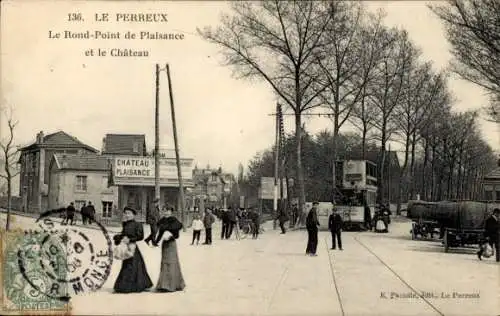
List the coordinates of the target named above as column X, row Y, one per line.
column 133, row 276
column 171, row 278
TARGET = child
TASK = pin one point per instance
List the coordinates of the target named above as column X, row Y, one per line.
column 197, row 227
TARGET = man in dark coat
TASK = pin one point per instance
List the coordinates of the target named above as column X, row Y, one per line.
column 255, row 218
column 295, row 213
column 282, row 218
column 231, row 221
column 335, row 227
column 225, row 223
column 312, row 224
column 70, row 214
column 84, row 211
column 152, row 218
column 368, row 217
column 208, row 220
column 91, row 210
column 491, row 231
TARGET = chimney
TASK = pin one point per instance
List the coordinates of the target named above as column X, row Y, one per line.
column 39, row 137
column 103, row 145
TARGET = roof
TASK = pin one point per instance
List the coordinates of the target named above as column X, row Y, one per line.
column 494, row 174
column 125, row 144
column 81, row 162
column 60, row 139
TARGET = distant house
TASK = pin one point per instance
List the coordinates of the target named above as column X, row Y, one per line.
column 80, row 179
column 34, row 163
column 212, row 185
column 491, row 186
column 124, row 144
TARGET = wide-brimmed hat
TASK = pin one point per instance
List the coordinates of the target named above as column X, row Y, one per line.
column 130, row 209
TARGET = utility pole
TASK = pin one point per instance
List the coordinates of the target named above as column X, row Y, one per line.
column 177, row 156
column 276, row 168
column 157, row 134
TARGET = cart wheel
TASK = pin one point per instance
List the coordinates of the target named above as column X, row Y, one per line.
column 446, row 242
column 413, row 235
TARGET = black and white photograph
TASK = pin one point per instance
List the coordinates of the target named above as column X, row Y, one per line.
column 267, row 158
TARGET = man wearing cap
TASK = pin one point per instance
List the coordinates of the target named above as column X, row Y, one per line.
column 152, row 218
column 491, row 231
column 312, row 224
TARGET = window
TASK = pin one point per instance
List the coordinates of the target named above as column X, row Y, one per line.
column 81, row 183
column 107, row 208
column 488, row 195
column 498, row 195
column 135, row 147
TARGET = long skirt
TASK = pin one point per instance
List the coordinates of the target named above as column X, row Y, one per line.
column 171, row 278
column 133, row 276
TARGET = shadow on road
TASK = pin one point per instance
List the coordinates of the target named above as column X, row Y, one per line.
column 440, row 249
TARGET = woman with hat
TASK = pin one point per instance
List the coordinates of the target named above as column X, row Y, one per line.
column 133, row 276
column 171, row 278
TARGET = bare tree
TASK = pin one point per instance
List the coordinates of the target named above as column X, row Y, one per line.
column 387, row 89
column 348, row 60
column 276, row 41
column 472, row 28
column 9, row 159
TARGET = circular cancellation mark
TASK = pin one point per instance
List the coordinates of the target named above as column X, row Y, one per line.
column 69, row 261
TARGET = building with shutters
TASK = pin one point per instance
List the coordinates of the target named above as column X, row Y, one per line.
column 81, row 179
column 34, row 163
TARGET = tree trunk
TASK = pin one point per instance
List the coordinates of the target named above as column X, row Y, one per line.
column 381, row 186
column 424, row 169
column 412, row 166
column 403, row 175
column 334, row 154
column 9, row 201
column 300, row 173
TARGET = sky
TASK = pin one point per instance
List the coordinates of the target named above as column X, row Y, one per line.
column 51, row 85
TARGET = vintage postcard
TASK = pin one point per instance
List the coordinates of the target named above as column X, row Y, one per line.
column 250, row 157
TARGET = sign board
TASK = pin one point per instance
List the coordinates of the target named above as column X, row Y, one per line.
column 354, row 174
column 267, row 188
column 132, row 170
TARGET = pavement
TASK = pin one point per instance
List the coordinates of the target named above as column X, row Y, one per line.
column 375, row 274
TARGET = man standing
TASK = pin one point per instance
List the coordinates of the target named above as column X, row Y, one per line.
column 231, row 221
column 84, row 211
column 295, row 212
column 335, row 227
column 225, row 223
column 91, row 211
column 152, row 218
column 70, row 214
column 491, row 231
column 255, row 218
column 282, row 218
column 312, row 230
column 208, row 220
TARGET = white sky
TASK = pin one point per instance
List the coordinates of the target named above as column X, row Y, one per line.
column 52, row 86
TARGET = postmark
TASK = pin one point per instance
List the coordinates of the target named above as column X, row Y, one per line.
column 58, row 262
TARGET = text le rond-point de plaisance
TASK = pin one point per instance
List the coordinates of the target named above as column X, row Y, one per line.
column 132, row 19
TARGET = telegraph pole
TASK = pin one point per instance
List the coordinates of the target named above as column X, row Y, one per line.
column 276, row 168
column 177, row 156
column 157, row 134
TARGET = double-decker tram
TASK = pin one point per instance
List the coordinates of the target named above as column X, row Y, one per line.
column 358, row 187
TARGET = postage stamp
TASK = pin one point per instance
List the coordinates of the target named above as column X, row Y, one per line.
column 46, row 266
